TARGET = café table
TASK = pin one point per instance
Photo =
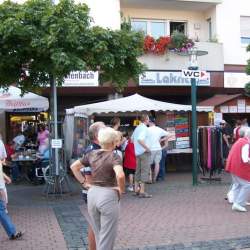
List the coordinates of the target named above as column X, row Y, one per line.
column 31, row 146
column 26, row 162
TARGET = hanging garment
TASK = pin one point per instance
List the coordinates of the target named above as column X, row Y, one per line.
column 209, row 156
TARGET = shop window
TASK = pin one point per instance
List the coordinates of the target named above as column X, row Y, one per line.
column 179, row 26
column 245, row 30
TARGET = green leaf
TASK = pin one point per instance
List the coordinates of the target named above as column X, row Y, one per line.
column 50, row 39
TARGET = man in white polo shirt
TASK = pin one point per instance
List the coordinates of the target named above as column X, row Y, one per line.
column 156, row 136
column 142, row 152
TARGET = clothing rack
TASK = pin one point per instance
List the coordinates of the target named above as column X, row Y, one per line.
column 210, row 158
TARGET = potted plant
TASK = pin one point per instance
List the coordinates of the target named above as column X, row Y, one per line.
column 180, row 42
column 158, row 46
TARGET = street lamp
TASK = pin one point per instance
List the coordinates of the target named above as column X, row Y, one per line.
column 193, row 65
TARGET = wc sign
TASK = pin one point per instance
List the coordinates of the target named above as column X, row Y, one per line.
column 197, row 74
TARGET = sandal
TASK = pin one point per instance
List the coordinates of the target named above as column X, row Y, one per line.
column 145, row 195
column 16, row 236
column 136, row 193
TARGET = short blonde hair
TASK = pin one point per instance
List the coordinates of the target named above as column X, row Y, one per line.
column 107, row 136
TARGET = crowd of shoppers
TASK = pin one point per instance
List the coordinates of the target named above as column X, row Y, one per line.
column 101, row 173
column 141, row 156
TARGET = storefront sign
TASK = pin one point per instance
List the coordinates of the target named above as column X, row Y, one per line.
column 81, row 79
column 233, row 109
column 167, row 78
column 235, row 80
column 224, row 109
column 241, row 104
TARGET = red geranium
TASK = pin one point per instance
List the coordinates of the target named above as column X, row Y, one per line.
column 161, row 44
column 149, row 44
column 158, row 46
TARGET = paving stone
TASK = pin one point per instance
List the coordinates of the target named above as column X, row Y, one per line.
column 178, row 217
column 71, row 221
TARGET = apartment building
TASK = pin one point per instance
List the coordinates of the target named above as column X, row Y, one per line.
column 220, row 27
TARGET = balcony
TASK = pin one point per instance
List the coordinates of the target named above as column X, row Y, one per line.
column 189, row 5
column 213, row 61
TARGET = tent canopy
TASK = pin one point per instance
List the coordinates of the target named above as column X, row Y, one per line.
column 12, row 101
column 133, row 103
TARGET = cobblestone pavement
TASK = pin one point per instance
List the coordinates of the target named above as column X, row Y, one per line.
column 42, row 231
column 178, row 216
column 73, row 226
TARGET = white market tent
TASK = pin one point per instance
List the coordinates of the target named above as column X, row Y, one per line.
column 133, row 103
column 11, row 100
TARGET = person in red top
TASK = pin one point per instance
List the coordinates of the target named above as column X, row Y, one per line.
column 129, row 162
column 10, row 150
column 238, row 164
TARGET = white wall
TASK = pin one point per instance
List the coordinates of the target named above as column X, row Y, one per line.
column 228, row 30
column 106, row 13
column 211, row 13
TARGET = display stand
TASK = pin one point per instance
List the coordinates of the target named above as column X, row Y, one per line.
column 210, row 178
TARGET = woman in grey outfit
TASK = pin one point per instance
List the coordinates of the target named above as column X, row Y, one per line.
column 108, row 182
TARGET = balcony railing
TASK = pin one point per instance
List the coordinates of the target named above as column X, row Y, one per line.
column 213, row 61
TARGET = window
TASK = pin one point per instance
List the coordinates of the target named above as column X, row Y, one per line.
column 179, row 26
column 209, row 22
column 139, row 26
column 245, row 29
column 157, row 29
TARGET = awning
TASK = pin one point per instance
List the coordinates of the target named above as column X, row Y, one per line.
column 12, row 101
column 133, row 103
column 218, row 100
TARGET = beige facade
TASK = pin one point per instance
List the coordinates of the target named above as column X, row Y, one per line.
column 206, row 21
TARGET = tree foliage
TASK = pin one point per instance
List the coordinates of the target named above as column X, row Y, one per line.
column 248, row 61
column 247, row 86
column 53, row 40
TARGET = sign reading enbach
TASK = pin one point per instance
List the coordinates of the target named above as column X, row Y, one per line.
column 81, row 79
column 170, row 78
